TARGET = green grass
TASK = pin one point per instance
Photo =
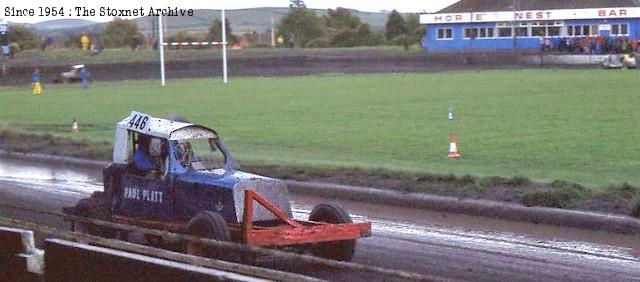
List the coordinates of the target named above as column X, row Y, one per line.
column 573, row 125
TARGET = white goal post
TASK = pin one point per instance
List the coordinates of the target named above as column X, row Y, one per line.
column 223, row 43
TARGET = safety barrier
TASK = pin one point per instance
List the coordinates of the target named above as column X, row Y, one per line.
column 247, row 270
column 232, row 247
column 191, row 44
column 19, row 258
column 67, row 261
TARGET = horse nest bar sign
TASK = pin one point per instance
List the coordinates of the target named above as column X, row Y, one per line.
column 508, row 16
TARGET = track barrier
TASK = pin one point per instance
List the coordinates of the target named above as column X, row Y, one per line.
column 20, row 260
column 218, row 264
column 67, row 260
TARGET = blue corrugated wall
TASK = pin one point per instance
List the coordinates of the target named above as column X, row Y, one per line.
column 459, row 43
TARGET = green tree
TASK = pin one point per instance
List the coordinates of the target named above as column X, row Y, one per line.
column 215, row 32
column 361, row 35
column 346, row 30
column 396, row 26
column 72, row 41
column 415, row 31
column 122, row 33
column 340, row 18
column 300, row 26
column 23, row 37
column 297, row 4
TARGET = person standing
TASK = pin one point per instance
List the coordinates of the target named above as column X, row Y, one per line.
column 36, row 79
column 84, row 78
column 6, row 51
column 85, row 42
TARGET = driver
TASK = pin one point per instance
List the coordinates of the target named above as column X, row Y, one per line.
column 147, row 155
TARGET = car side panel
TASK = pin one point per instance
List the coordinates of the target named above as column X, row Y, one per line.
column 192, row 198
column 144, row 197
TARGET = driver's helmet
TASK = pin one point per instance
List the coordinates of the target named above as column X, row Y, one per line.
column 155, row 147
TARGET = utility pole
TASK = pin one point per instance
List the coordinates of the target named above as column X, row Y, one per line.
column 513, row 26
column 161, row 46
column 224, row 48
column 273, row 34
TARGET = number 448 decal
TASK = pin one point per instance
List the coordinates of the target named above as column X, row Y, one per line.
column 138, row 121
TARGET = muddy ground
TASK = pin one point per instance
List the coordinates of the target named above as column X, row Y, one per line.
column 288, row 65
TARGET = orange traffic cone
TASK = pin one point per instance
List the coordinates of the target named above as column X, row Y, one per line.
column 453, row 148
column 74, row 126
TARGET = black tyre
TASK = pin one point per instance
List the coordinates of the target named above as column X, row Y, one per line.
column 86, row 208
column 94, row 207
column 209, row 225
column 338, row 250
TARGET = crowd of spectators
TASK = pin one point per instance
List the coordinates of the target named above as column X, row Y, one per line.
column 589, row 44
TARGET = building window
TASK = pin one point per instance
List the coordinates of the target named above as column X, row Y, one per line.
column 619, row 29
column 553, row 31
column 545, row 28
column 445, row 33
column 522, row 31
column 574, row 30
column 577, row 30
column 470, row 33
column 538, row 31
column 483, row 32
column 504, row 30
column 530, row 29
column 582, row 30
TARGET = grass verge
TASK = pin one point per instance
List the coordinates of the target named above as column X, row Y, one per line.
column 620, row 199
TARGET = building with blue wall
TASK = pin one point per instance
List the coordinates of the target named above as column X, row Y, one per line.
column 475, row 25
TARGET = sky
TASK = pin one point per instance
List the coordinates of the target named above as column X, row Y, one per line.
column 39, row 7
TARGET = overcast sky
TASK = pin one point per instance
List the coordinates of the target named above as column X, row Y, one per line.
column 69, row 6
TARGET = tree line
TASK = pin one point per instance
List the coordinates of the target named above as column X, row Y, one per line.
column 300, row 27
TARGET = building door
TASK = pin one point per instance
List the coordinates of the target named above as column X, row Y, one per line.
column 604, row 30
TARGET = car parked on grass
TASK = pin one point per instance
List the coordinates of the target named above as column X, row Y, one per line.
column 73, row 75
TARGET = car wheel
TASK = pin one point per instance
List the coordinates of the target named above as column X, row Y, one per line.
column 87, row 208
column 209, row 225
column 338, row 250
column 94, row 207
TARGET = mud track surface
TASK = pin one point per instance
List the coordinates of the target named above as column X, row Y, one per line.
column 456, row 247
column 284, row 65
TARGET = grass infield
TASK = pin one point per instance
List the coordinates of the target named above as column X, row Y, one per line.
column 573, row 125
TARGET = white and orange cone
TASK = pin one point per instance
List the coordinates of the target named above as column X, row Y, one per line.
column 74, row 126
column 453, row 148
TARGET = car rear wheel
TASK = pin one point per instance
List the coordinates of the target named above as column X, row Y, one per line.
column 338, row 250
column 208, row 225
column 91, row 208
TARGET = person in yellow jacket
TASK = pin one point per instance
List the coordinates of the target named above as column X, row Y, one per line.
column 85, row 42
column 36, row 85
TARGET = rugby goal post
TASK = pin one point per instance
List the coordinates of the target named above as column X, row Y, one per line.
column 223, row 43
